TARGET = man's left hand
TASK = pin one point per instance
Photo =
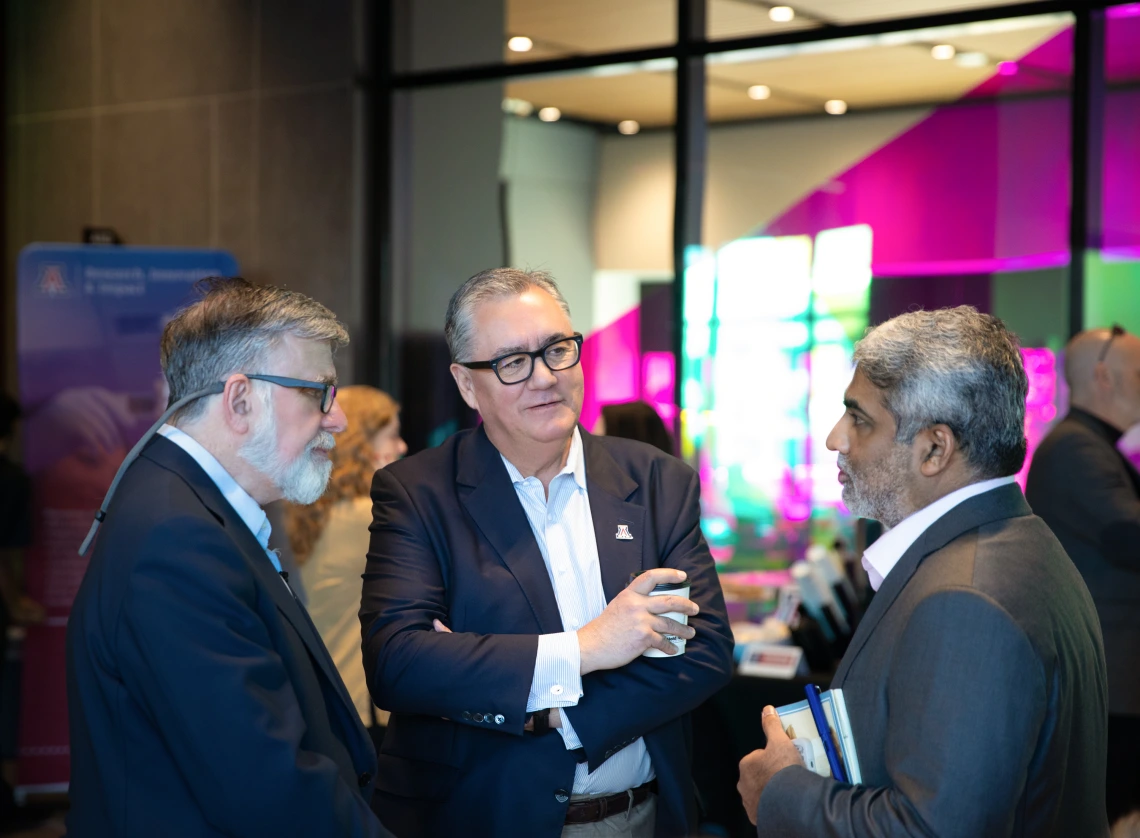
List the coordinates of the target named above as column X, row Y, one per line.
column 759, row 767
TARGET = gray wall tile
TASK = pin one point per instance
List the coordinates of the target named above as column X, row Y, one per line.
column 53, row 54
column 54, row 180
column 178, row 48
column 235, row 165
column 303, row 42
column 154, row 176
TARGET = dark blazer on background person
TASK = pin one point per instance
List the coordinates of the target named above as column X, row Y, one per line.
column 976, row 689
column 1089, row 495
column 451, row 541
column 202, row 701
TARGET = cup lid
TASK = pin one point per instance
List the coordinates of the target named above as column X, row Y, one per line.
column 671, row 586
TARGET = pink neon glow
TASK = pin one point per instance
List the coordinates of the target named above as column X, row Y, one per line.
column 658, row 379
column 611, row 361
column 795, row 500
column 967, row 267
column 1127, row 10
column 1007, row 68
column 1041, row 402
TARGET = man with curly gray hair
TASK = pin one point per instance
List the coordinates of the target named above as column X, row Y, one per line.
column 976, row 681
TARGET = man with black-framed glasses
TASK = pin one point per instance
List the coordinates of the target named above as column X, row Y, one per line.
column 1088, row 493
column 500, row 625
column 201, row 698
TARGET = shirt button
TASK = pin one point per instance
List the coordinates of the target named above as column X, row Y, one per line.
column 556, row 689
column 561, row 795
column 477, row 717
column 364, row 779
column 499, row 719
column 467, row 715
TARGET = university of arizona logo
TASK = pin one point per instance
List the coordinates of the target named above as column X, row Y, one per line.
column 52, row 281
column 623, row 533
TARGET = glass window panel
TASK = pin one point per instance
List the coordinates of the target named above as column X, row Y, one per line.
column 437, row 34
column 867, row 177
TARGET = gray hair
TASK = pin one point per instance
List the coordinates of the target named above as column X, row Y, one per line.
column 487, row 285
column 958, row 367
column 231, row 329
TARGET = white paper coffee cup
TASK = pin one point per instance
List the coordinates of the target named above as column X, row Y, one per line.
column 680, row 589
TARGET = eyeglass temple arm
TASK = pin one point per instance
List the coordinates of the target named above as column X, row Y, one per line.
column 133, row 454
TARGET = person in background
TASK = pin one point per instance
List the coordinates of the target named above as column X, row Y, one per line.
column 330, row 536
column 975, row 682
column 635, row 420
column 1089, row 494
column 1127, row 826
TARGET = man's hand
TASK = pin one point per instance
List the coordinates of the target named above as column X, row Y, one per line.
column 631, row 623
column 759, row 767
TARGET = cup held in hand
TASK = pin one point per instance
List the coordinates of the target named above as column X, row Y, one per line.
column 680, row 589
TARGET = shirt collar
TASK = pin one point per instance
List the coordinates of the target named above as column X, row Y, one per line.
column 244, row 505
column 881, row 557
column 575, row 463
column 1110, row 432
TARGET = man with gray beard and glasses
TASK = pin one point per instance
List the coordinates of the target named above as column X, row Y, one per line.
column 975, row 682
column 201, row 699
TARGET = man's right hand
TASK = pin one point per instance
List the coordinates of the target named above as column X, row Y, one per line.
column 631, row 623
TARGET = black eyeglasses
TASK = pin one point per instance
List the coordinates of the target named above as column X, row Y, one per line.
column 517, row 367
column 1117, row 331
column 328, row 391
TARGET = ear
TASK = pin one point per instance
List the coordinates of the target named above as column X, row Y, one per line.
column 239, row 404
column 1102, row 377
column 935, row 447
column 466, row 385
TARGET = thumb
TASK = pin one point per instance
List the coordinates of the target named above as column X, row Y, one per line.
column 440, row 627
column 773, row 727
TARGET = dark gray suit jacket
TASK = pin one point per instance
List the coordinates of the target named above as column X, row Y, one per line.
column 1089, row 495
column 976, row 689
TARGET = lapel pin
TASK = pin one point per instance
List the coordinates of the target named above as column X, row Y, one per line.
column 623, row 533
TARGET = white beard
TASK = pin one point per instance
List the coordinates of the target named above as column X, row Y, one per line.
column 301, row 481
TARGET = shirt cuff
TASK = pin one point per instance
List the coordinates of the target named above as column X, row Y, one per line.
column 568, row 735
column 557, row 680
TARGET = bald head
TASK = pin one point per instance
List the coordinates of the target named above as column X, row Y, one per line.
column 1108, row 388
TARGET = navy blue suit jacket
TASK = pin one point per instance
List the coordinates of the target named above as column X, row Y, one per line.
column 201, row 698
column 450, row 540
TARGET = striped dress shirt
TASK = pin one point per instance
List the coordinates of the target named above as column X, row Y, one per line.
column 564, row 528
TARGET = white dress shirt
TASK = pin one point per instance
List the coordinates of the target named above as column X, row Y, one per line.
column 881, row 557
column 244, row 505
column 564, row 529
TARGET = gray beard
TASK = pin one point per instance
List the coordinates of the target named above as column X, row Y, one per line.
column 878, row 491
column 301, row 481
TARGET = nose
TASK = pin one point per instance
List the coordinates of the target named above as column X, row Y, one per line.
column 542, row 378
column 335, row 421
column 401, row 446
column 837, row 439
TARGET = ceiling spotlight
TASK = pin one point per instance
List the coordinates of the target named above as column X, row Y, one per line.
column 628, row 127
column 1007, row 68
column 971, row 59
column 759, row 91
column 519, row 107
column 550, row 114
column 835, row 107
column 781, row 14
column 520, row 43
column 943, row 52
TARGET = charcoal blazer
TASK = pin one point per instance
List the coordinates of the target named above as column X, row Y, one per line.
column 976, row 689
column 201, row 698
column 451, row 541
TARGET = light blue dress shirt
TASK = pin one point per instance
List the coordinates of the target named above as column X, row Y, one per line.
column 244, row 505
column 564, row 528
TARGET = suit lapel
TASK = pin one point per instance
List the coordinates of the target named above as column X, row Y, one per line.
column 171, row 456
column 609, row 487
column 489, row 497
column 986, row 508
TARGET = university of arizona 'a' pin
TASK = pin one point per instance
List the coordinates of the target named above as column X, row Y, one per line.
column 623, row 533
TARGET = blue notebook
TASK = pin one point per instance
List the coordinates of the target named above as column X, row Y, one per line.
column 800, row 725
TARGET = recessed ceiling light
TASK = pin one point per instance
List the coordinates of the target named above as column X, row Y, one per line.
column 519, row 107
column 1007, row 68
column 628, row 127
column 759, row 91
column 943, row 52
column 835, row 107
column 550, row 114
column 971, row 59
column 781, row 14
column 520, row 43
